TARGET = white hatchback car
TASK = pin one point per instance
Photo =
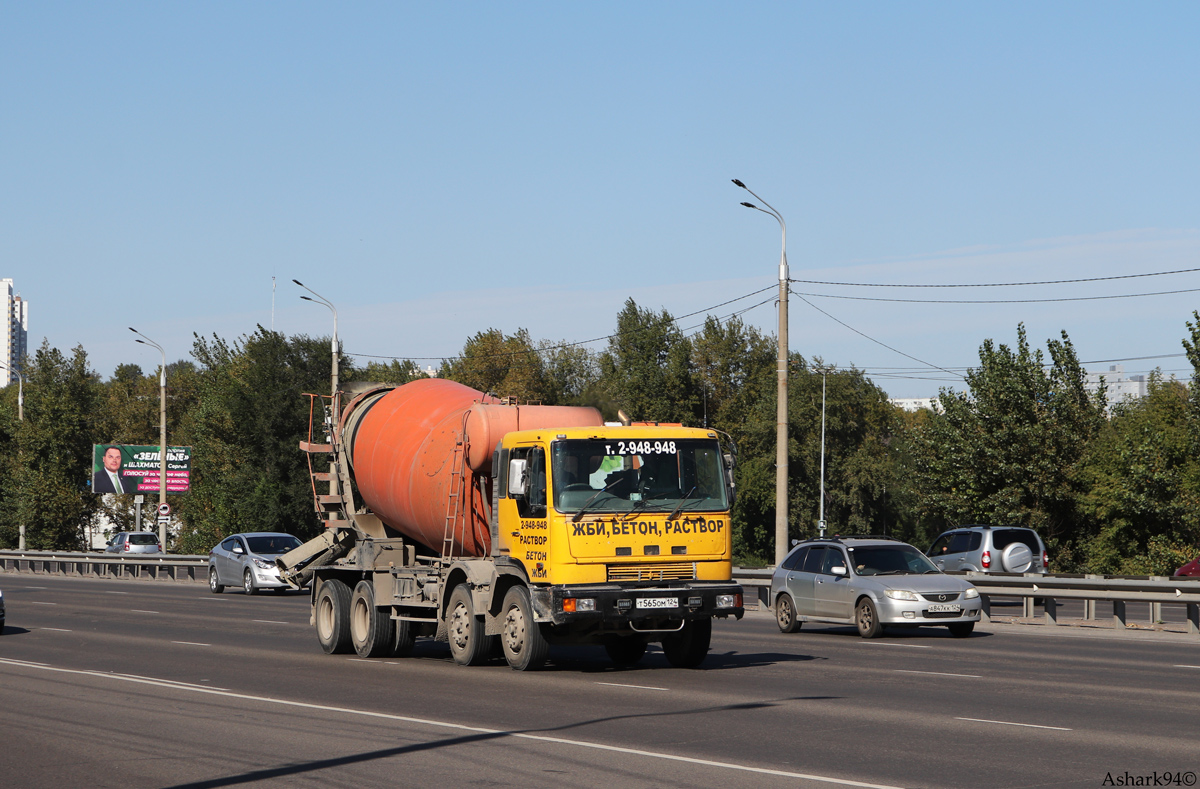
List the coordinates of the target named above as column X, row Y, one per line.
column 249, row 560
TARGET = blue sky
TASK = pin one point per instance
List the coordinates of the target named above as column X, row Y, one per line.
column 440, row 169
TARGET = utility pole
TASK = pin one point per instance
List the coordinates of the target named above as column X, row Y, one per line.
column 781, row 408
column 163, row 509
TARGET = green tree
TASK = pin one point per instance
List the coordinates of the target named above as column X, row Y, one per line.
column 504, row 366
column 647, row 368
column 251, row 412
column 1009, row 450
column 397, row 372
column 46, row 489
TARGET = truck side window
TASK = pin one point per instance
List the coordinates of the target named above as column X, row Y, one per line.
column 533, row 504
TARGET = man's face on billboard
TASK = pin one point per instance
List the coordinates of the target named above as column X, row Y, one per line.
column 112, row 459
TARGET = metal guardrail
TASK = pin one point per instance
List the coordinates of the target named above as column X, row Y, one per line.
column 1118, row 590
column 149, row 566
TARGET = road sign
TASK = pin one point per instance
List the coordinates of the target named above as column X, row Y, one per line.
column 164, row 510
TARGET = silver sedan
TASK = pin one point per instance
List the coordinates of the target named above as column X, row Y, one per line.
column 249, row 560
column 869, row 583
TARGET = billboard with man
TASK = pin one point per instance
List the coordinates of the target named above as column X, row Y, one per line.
column 130, row 468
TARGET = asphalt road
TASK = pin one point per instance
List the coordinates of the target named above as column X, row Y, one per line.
column 152, row 684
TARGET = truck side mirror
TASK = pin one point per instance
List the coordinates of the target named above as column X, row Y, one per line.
column 518, row 477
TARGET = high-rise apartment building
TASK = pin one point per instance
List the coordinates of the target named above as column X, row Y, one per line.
column 13, row 342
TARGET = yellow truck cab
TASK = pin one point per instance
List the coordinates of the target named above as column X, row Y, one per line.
column 621, row 530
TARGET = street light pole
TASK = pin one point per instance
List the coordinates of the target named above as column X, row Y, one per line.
column 162, row 437
column 781, row 408
column 335, row 398
column 20, row 418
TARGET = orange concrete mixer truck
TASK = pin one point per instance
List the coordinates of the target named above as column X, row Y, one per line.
column 457, row 515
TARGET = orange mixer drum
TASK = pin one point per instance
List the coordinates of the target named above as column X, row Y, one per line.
column 402, row 444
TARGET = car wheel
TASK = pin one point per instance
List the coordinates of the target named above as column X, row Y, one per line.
column 866, row 618
column 333, row 616
column 370, row 627
column 688, row 647
column 248, row 582
column 624, row 651
column 214, row 585
column 785, row 615
column 961, row 629
column 525, row 647
column 468, row 645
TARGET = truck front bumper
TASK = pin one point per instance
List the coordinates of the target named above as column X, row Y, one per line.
column 621, row 606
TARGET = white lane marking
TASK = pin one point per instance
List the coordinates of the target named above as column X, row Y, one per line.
column 39, row 602
column 890, row 644
column 192, row 643
column 268, row 621
column 1010, row 723
column 56, row 629
column 454, row 726
column 637, row 687
column 173, row 682
column 116, row 592
column 33, row 587
column 1187, row 667
column 140, row 611
column 938, row 673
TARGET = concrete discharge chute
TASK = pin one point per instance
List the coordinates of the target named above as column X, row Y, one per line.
column 403, row 448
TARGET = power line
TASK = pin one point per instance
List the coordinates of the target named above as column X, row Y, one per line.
column 586, row 342
column 867, row 336
column 996, row 284
column 998, row 301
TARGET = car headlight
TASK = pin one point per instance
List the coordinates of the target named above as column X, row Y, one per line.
column 263, row 563
column 971, row 593
column 903, row 594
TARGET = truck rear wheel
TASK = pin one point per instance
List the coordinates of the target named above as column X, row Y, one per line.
column 525, row 648
column 468, row 645
column 371, row 629
column 688, row 647
column 333, row 617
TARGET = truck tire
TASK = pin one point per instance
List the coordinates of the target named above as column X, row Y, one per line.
column 624, row 651
column 214, row 586
column 688, row 647
column 468, row 645
column 525, row 647
column 404, row 638
column 371, row 629
column 332, row 617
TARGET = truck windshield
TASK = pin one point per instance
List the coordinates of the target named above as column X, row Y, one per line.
column 604, row 475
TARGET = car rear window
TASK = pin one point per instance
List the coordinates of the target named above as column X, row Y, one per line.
column 1002, row 538
column 143, row 539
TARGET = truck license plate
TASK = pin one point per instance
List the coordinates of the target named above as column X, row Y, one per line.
column 941, row 608
column 658, row 602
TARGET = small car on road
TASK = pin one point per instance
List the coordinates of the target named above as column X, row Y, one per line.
column 990, row 549
column 249, row 560
column 133, row 542
column 869, row 582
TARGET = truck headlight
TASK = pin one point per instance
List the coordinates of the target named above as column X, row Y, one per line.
column 573, row 604
column 971, row 593
column 903, row 594
column 729, row 600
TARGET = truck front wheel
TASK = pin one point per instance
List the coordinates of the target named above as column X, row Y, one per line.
column 468, row 645
column 525, row 647
column 688, row 647
column 370, row 628
column 333, row 617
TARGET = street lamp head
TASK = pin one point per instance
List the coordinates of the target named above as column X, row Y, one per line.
column 135, row 331
column 750, row 205
column 736, row 182
column 143, row 342
column 306, row 298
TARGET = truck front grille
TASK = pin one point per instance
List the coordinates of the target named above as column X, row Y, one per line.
column 673, row 571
